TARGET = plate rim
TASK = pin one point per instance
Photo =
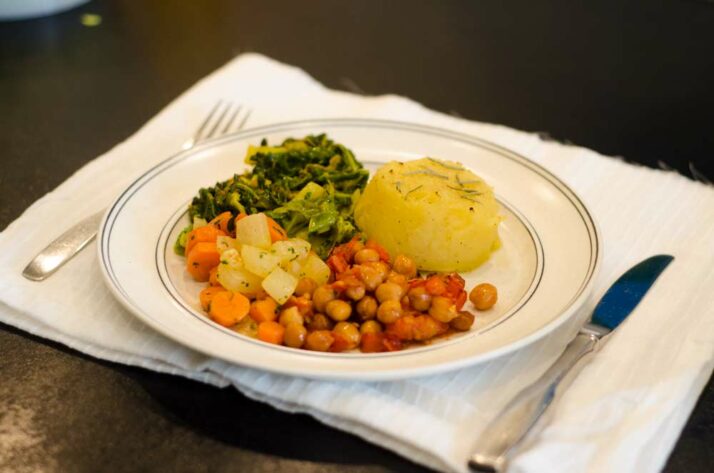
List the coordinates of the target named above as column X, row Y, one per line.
column 591, row 225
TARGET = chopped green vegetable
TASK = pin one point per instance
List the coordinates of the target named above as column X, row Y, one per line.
column 180, row 244
column 308, row 186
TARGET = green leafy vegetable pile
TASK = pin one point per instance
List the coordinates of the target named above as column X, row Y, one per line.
column 309, row 186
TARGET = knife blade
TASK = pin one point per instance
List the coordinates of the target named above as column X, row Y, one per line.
column 520, row 416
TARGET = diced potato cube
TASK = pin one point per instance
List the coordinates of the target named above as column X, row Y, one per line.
column 224, row 243
column 257, row 261
column 280, row 285
column 248, row 327
column 253, row 230
column 238, row 279
column 232, row 258
column 294, row 268
column 290, row 250
column 316, row 269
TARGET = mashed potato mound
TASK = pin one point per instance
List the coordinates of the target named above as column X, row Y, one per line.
column 436, row 212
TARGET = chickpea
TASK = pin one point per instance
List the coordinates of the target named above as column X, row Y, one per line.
column 295, row 335
column 389, row 311
column 367, row 308
column 320, row 322
column 463, row 321
column 419, row 299
column 484, row 296
column 319, row 340
column 382, row 269
column 291, row 315
column 322, row 296
column 399, row 279
column 349, row 332
column 338, row 310
column 443, row 309
column 366, row 255
column 370, row 326
column 389, row 291
column 355, row 292
column 305, row 286
column 370, row 276
column 405, row 265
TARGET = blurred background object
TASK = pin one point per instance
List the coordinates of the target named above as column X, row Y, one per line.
column 24, row 9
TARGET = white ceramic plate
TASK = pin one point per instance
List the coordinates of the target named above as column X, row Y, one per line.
column 544, row 270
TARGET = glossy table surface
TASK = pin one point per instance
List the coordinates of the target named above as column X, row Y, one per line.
column 632, row 79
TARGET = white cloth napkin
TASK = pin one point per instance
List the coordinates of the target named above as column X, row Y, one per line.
column 623, row 413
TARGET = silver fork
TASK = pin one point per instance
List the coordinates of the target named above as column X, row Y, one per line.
column 219, row 121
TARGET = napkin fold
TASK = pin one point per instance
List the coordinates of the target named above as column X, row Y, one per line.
column 623, row 413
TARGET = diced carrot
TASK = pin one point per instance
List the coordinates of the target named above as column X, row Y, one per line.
column 227, row 308
column 206, row 296
column 264, row 310
column 391, row 342
column 348, row 250
column 206, row 234
column 337, row 263
column 271, row 332
column 383, row 254
column 435, row 286
column 213, row 277
column 403, row 327
column 203, row 257
column 416, row 282
column 303, row 303
column 351, row 277
column 427, row 327
column 339, row 286
column 277, row 232
column 454, row 285
column 340, row 344
column 222, row 222
column 372, row 343
column 460, row 300
column 241, row 216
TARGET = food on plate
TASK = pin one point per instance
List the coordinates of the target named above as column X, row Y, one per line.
column 276, row 289
column 283, row 262
column 483, row 296
column 306, row 187
column 439, row 214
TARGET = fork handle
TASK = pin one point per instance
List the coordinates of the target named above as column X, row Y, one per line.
column 520, row 415
column 63, row 248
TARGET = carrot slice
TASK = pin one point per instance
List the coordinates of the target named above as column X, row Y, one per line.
column 227, row 308
column 203, row 257
column 222, row 221
column 372, row 342
column 213, row 277
column 206, row 233
column 264, row 310
column 271, row 332
column 277, row 232
column 206, row 296
column 340, row 344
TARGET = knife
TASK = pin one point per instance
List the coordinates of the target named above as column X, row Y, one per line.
column 520, row 416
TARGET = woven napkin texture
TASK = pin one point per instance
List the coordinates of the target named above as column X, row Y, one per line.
column 623, row 413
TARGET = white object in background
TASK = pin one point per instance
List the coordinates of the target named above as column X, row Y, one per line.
column 25, row 9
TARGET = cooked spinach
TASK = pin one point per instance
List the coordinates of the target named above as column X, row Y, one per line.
column 309, row 186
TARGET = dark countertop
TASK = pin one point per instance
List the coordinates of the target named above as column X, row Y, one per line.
column 632, row 79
